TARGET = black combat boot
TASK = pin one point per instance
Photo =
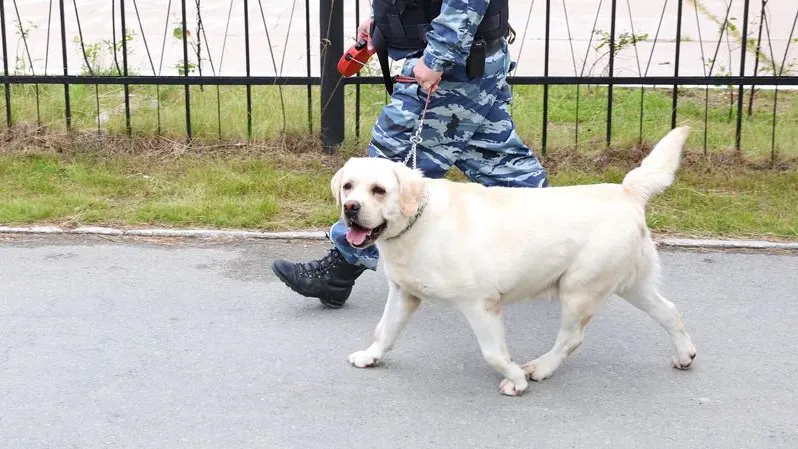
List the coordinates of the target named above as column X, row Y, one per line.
column 330, row 278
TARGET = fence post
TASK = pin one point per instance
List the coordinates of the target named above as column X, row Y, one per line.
column 675, row 99
column 331, row 22
column 5, row 63
column 611, row 73
column 249, row 72
column 545, row 138
column 67, row 104
column 738, row 135
column 124, row 65
column 187, row 87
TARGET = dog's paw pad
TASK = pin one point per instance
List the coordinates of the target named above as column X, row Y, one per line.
column 362, row 359
column 509, row 388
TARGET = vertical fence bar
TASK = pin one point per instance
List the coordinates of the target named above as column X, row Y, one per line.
column 221, row 60
column 307, row 62
column 582, row 72
column 67, row 106
column 88, row 66
column 113, row 36
column 675, row 100
column 762, row 19
column 706, row 88
column 185, row 70
column 743, row 51
column 160, row 63
column 30, row 62
column 776, row 93
column 147, row 49
column 357, row 87
column 5, row 62
column 124, row 65
column 573, row 60
column 331, row 23
column 773, row 128
column 611, row 71
column 249, row 86
column 47, row 46
column 544, row 140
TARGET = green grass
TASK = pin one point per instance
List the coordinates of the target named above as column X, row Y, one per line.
column 122, row 190
column 281, row 182
column 255, row 191
column 222, row 114
column 708, row 202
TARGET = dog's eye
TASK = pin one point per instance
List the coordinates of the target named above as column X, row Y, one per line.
column 347, row 186
column 377, row 190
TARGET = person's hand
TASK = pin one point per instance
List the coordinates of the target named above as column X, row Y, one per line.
column 363, row 32
column 426, row 77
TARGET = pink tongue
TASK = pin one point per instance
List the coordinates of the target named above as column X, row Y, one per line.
column 356, row 236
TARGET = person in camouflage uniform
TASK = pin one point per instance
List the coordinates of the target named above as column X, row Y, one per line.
column 467, row 125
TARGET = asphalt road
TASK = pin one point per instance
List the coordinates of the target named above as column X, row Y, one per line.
column 122, row 343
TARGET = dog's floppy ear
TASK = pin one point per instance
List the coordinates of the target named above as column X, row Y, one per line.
column 411, row 188
column 335, row 185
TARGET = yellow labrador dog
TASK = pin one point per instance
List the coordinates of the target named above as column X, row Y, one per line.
column 480, row 248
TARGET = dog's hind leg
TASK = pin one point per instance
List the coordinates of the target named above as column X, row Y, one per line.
column 577, row 310
column 398, row 309
column 485, row 318
column 644, row 296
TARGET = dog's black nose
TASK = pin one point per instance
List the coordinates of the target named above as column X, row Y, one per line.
column 351, row 208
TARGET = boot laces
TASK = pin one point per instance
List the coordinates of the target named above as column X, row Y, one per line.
column 317, row 268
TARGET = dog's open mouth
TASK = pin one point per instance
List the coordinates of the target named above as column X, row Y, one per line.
column 358, row 236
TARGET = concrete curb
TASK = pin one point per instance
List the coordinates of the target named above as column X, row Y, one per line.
column 320, row 235
column 194, row 233
column 726, row 244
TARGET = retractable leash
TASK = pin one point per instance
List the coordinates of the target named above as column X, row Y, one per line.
column 355, row 58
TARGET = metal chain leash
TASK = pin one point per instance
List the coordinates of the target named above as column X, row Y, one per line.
column 415, row 139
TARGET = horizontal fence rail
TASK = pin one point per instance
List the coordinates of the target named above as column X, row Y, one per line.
column 735, row 43
column 747, row 80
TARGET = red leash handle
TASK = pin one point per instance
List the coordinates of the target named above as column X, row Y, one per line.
column 404, row 79
column 411, row 80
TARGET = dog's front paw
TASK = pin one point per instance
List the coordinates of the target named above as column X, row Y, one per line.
column 538, row 369
column 684, row 362
column 363, row 359
column 510, row 388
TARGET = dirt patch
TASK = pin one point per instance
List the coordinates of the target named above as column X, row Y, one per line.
column 300, row 151
column 291, row 150
column 628, row 158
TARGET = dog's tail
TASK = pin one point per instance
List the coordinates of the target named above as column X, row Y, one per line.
column 656, row 172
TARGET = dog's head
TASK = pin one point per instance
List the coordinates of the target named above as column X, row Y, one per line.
column 377, row 198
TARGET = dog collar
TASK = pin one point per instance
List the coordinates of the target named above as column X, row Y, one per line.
column 415, row 216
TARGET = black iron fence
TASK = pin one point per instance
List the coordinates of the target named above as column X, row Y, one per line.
column 758, row 64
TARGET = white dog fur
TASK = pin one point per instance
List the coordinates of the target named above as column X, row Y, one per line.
column 480, row 248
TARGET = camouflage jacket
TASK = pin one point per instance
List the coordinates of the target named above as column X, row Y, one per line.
column 449, row 40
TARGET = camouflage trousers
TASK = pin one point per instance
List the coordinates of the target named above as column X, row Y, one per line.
column 468, row 125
